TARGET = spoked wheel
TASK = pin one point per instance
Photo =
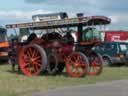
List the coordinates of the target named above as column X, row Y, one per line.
column 52, row 64
column 96, row 64
column 32, row 60
column 77, row 64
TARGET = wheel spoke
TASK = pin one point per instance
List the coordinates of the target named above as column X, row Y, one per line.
column 26, row 65
column 39, row 61
column 30, row 51
column 78, row 59
column 29, row 69
column 36, row 58
column 38, row 64
column 77, row 71
column 28, row 54
column 36, row 68
column 33, row 54
column 74, row 58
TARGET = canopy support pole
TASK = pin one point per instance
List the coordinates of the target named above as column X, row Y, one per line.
column 80, row 29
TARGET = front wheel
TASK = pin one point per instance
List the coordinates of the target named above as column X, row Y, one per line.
column 77, row 64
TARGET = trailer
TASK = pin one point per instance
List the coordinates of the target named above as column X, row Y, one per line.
column 56, row 49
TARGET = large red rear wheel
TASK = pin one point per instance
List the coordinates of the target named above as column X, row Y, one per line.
column 96, row 64
column 77, row 64
column 32, row 60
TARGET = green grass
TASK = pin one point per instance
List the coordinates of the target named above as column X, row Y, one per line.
column 14, row 84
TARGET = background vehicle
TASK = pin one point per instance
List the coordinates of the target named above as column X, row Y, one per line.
column 113, row 52
column 4, row 45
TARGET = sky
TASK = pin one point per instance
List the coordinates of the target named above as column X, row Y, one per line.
column 17, row 11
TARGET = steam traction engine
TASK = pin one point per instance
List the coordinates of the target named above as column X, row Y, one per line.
column 56, row 48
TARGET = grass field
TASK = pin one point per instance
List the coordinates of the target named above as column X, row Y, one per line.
column 16, row 84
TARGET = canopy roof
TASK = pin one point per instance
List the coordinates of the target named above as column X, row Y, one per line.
column 70, row 22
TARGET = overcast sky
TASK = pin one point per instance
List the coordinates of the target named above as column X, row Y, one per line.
column 14, row 11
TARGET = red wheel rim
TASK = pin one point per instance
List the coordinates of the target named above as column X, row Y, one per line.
column 95, row 65
column 76, row 65
column 30, row 61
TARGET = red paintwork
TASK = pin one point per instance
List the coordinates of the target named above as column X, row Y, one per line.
column 61, row 49
column 30, row 61
column 76, row 65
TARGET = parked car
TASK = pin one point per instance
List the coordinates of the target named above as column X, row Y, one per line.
column 113, row 52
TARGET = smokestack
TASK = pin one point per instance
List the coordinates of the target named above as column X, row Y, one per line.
column 80, row 15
